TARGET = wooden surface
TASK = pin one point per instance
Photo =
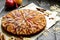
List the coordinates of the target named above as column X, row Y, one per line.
column 46, row 5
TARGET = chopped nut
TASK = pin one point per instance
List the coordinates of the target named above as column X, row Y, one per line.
column 51, row 18
column 46, row 15
column 41, row 9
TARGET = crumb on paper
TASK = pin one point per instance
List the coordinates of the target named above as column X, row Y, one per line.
column 0, row 18
column 58, row 15
column 45, row 33
column 56, row 29
column 47, row 13
column 55, row 8
column 18, row 38
column 47, row 30
column 58, row 10
column 2, row 37
column 26, row 38
column 11, row 38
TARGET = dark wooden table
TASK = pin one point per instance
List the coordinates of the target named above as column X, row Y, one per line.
column 44, row 4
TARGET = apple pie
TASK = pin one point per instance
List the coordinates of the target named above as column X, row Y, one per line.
column 24, row 22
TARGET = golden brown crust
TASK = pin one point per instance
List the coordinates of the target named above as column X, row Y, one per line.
column 24, row 22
